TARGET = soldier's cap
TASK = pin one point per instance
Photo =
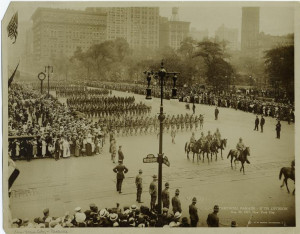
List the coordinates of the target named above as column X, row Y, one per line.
column 45, row 211
column 167, row 185
column 194, row 199
column 154, row 176
column 177, row 191
column 165, row 209
column 233, row 224
column 140, row 171
column 216, row 207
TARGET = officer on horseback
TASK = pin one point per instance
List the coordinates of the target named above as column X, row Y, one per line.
column 240, row 147
column 192, row 140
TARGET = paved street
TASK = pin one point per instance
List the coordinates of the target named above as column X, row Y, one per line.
column 256, row 196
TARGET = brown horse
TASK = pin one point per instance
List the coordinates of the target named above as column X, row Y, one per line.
column 289, row 173
column 242, row 158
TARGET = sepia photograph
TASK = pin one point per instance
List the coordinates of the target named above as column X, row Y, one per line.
column 148, row 115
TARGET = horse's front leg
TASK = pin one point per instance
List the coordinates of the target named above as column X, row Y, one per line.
column 286, row 184
column 221, row 154
column 231, row 162
column 282, row 184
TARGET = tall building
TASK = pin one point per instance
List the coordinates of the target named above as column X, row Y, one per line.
column 267, row 42
column 58, row 32
column 198, row 35
column 173, row 32
column 250, row 31
column 139, row 26
column 228, row 35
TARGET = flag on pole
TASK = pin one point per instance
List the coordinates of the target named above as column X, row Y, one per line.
column 10, row 80
column 12, row 27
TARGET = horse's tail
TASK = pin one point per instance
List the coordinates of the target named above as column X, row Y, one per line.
column 229, row 154
column 280, row 174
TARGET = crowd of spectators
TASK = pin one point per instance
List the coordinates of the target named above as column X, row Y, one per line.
column 40, row 126
column 129, row 216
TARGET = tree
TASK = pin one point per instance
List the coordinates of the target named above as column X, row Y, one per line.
column 279, row 65
column 218, row 71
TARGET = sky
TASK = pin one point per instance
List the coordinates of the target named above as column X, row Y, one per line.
column 276, row 18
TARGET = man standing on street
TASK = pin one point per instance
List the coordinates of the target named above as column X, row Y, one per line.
column 278, row 129
column 165, row 196
column 153, row 193
column 216, row 113
column 176, row 204
column 256, row 123
column 262, row 123
column 120, row 170
column 139, row 186
column 194, row 107
column 212, row 218
column 193, row 213
column 120, row 154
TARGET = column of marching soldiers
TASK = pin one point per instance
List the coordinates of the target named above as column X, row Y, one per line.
column 122, row 116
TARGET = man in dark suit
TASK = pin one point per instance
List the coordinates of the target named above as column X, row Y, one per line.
column 256, row 123
column 262, row 123
column 193, row 213
column 120, row 170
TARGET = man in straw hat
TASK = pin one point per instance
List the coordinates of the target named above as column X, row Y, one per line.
column 153, row 192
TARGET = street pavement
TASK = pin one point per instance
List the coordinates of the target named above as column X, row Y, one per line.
column 253, row 199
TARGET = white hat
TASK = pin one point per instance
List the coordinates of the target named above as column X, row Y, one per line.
column 77, row 209
column 113, row 217
column 116, row 224
column 177, row 215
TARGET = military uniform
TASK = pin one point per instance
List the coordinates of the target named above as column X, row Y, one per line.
column 176, row 204
column 212, row 220
column 139, row 186
column 165, row 196
column 153, row 194
column 120, row 170
column 193, row 215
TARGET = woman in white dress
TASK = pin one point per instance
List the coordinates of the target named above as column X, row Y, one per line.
column 43, row 147
column 66, row 148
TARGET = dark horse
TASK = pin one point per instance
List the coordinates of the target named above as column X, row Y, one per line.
column 242, row 158
column 222, row 146
column 289, row 173
column 192, row 147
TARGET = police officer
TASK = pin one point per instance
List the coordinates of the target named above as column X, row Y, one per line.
column 139, row 186
column 120, row 170
column 193, row 213
column 256, row 123
column 216, row 113
column 176, row 204
column 153, row 192
column 278, row 129
column 213, row 219
column 165, row 196
column 262, row 123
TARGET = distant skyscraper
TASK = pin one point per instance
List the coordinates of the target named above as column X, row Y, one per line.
column 228, row 35
column 198, row 35
column 250, row 31
column 173, row 32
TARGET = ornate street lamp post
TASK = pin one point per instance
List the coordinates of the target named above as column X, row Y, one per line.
column 162, row 75
column 47, row 70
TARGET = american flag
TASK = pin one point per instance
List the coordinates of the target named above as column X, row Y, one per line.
column 12, row 28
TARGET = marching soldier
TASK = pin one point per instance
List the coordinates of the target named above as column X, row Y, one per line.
column 278, row 129
column 165, row 196
column 139, row 186
column 176, row 204
column 153, row 192
column 120, row 170
column 120, row 154
column 216, row 113
column 262, row 123
column 193, row 213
